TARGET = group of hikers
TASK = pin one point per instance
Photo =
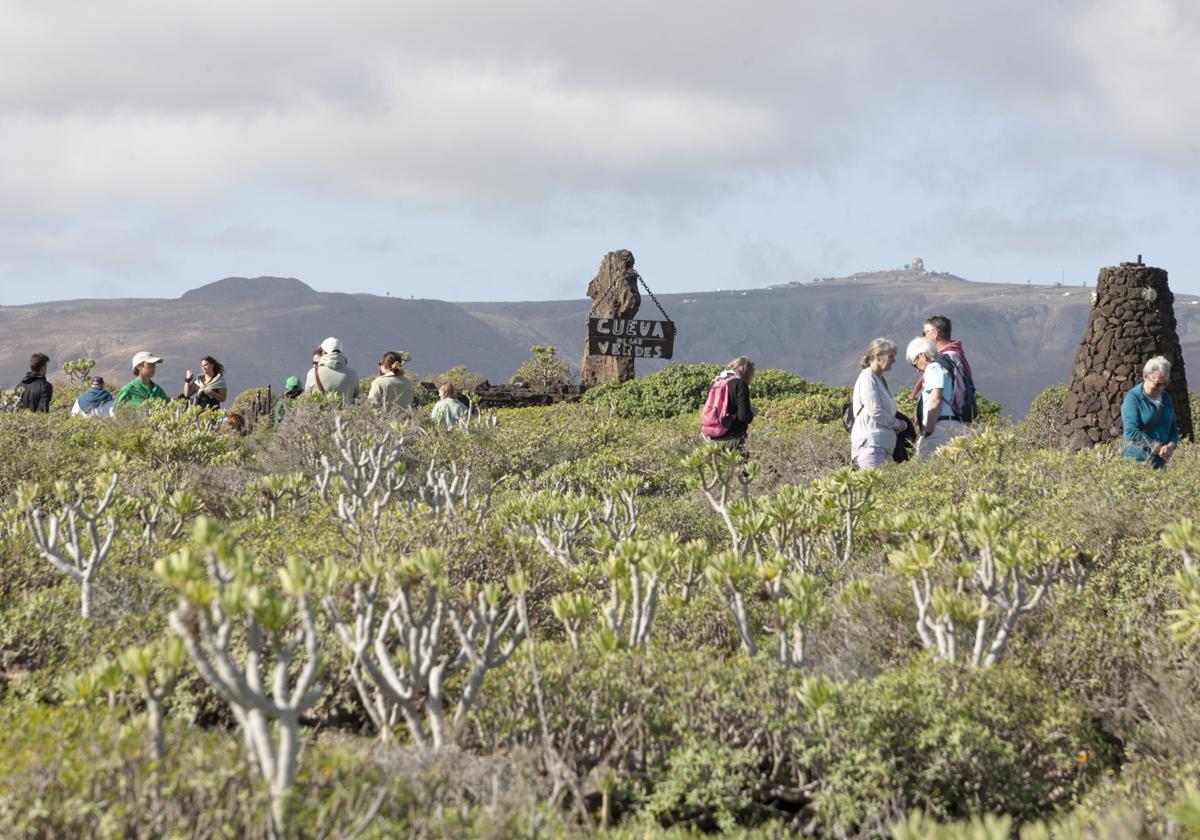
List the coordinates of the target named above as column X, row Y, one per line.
column 945, row 401
column 390, row 392
column 944, row 395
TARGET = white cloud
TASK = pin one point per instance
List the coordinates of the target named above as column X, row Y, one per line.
column 173, row 108
column 135, row 99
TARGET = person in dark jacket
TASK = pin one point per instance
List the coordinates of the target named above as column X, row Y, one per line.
column 34, row 390
column 740, row 414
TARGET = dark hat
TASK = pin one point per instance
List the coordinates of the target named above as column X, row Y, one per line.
column 97, row 381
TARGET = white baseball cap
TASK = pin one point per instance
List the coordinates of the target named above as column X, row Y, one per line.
column 331, row 345
column 144, row 356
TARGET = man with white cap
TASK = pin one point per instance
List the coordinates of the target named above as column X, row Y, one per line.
column 141, row 388
column 331, row 375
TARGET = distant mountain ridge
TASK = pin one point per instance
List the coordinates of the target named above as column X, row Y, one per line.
column 1019, row 338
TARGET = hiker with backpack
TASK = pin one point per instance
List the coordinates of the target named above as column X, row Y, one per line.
column 937, row 329
column 873, row 434
column 727, row 412
column 935, row 405
column 331, row 374
column 1148, row 416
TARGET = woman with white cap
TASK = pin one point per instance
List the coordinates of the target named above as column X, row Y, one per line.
column 142, row 387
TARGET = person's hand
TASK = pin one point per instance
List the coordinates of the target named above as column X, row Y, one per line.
column 187, row 374
column 1166, row 450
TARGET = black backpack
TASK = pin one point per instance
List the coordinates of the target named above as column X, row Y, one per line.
column 963, row 404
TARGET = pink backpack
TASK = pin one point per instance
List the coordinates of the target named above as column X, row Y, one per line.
column 716, row 417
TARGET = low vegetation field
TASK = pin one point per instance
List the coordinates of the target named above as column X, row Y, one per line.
column 577, row 621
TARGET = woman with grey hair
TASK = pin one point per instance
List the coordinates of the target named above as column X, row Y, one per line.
column 873, row 435
column 1151, row 430
column 935, row 412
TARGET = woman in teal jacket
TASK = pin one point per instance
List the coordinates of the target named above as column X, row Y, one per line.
column 1151, row 432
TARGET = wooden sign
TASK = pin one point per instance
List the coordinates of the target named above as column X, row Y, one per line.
column 627, row 337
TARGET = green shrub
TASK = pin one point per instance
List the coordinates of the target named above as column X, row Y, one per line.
column 796, row 412
column 466, row 381
column 1043, row 421
column 952, row 744
column 681, row 389
column 920, row 735
column 545, row 369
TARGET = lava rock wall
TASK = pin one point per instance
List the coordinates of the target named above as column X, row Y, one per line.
column 1132, row 320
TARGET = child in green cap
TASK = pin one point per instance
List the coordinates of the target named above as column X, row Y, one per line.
column 291, row 389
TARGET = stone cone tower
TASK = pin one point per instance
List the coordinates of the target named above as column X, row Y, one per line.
column 614, row 293
column 1132, row 320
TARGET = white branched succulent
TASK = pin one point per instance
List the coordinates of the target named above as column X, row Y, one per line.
column 396, row 635
column 974, row 576
column 75, row 538
column 253, row 638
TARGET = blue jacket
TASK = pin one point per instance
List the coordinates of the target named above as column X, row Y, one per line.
column 1142, row 432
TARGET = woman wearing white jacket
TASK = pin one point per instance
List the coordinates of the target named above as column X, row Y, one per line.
column 873, row 435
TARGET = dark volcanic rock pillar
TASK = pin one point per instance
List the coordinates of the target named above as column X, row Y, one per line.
column 1132, row 319
column 614, row 294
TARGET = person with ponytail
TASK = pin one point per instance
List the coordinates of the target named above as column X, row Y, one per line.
column 873, row 435
column 391, row 391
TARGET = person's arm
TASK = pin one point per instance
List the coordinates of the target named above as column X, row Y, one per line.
column 1173, row 436
column 933, row 411
column 935, row 381
column 44, row 400
column 1131, row 418
column 872, row 406
column 1168, row 449
column 745, row 412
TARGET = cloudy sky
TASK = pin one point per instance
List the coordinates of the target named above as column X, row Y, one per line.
column 485, row 150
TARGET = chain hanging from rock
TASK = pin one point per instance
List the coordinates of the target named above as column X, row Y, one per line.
column 666, row 317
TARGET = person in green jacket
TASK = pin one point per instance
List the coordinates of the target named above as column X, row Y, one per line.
column 291, row 389
column 142, row 387
column 391, row 391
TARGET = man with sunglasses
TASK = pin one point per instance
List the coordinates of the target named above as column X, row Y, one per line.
column 1151, row 430
column 935, row 413
column 937, row 329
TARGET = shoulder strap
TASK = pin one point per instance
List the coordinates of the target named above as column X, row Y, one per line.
column 1157, row 415
column 946, row 363
column 317, row 378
